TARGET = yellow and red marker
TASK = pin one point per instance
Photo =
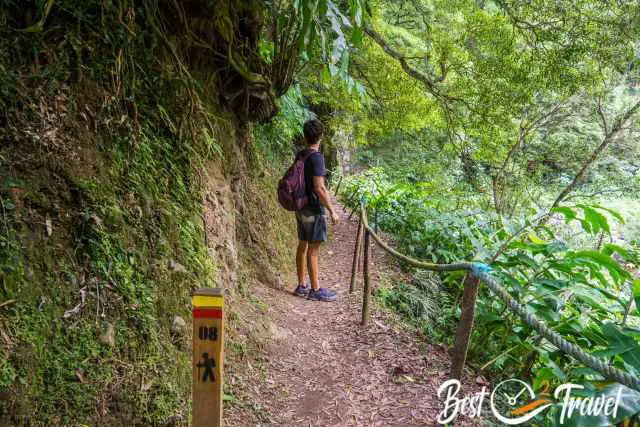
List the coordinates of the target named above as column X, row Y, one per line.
column 208, row 357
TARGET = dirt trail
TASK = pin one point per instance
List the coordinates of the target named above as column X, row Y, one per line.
column 323, row 369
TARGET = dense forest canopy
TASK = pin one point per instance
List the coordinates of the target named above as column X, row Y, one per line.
column 504, row 84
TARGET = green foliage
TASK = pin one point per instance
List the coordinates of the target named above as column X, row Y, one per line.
column 593, row 221
column 275, row 140
column 417, row 214
column 581, row 293
column 518, row 102
column 89, row 247
column 134, row 222
column 423, row 302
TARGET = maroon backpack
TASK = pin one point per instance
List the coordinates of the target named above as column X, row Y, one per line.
column 292, row 191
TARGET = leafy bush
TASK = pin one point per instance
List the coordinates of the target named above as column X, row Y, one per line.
column 580, row 292
column 275, row 140
column 423, row 301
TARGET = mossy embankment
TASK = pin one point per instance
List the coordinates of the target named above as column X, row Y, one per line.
column 124, row 185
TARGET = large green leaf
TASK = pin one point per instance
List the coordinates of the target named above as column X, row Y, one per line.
column 562, row 266
column 568, row 213
column 613, row 213
column 596, row 220
column 611, row 248
column 588, row 296
column 543, row 377
column 620, row 344
column 544, row 312
column 615, row 270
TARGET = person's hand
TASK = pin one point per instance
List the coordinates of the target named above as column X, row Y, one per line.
column 334, row 218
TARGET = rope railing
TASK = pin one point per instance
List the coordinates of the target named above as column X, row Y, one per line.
column 478, row 272
column 458, row 266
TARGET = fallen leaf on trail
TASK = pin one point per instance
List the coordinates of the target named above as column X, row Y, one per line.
column 481, row 380
column 80, row 376
column 146, row 386
column 48, row 225
column 399, row 370
column 380, row 325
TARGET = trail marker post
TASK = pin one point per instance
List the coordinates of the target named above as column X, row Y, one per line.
column 208, row 355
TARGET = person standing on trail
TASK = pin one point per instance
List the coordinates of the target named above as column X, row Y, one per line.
column 312, row 220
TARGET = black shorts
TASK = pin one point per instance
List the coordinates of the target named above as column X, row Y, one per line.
column 312, row 227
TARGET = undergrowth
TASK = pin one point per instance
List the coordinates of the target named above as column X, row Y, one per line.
column 75, row 273
column 422, row 302
column 583, row 290
column 101, row 168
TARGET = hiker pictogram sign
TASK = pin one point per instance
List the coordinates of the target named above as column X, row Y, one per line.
column 208, row 345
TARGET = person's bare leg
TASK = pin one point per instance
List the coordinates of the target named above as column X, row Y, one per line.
column 312, row 264
column 301, row 261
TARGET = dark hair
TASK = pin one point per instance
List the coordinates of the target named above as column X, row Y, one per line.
column 313, row 130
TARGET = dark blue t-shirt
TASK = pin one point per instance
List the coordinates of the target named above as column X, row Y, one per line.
column 314, row 166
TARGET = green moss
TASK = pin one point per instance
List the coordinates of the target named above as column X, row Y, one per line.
column 115, row 255
column 102, row 230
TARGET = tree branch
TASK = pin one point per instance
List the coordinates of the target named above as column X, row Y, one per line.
column 605, row 126
column 429, row 82
column 608, row 138
column 525, row 129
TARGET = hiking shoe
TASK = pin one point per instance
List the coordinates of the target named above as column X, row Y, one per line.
column 302, row 291
column 322, row 294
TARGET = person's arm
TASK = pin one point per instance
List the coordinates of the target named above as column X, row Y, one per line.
column 325, row 198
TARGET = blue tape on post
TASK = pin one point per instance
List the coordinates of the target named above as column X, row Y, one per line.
column 478, row 268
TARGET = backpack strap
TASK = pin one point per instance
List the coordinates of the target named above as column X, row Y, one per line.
column 308, row 155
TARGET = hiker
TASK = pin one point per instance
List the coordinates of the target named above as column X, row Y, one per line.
column 312, row 219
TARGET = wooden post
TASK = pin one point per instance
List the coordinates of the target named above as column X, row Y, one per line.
column 348, row 200
column 338, row 187
column 366, row 291
column 465, row 326
column 359, row 260
column 208, row 346
column 356, row 255
column 375, row 221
